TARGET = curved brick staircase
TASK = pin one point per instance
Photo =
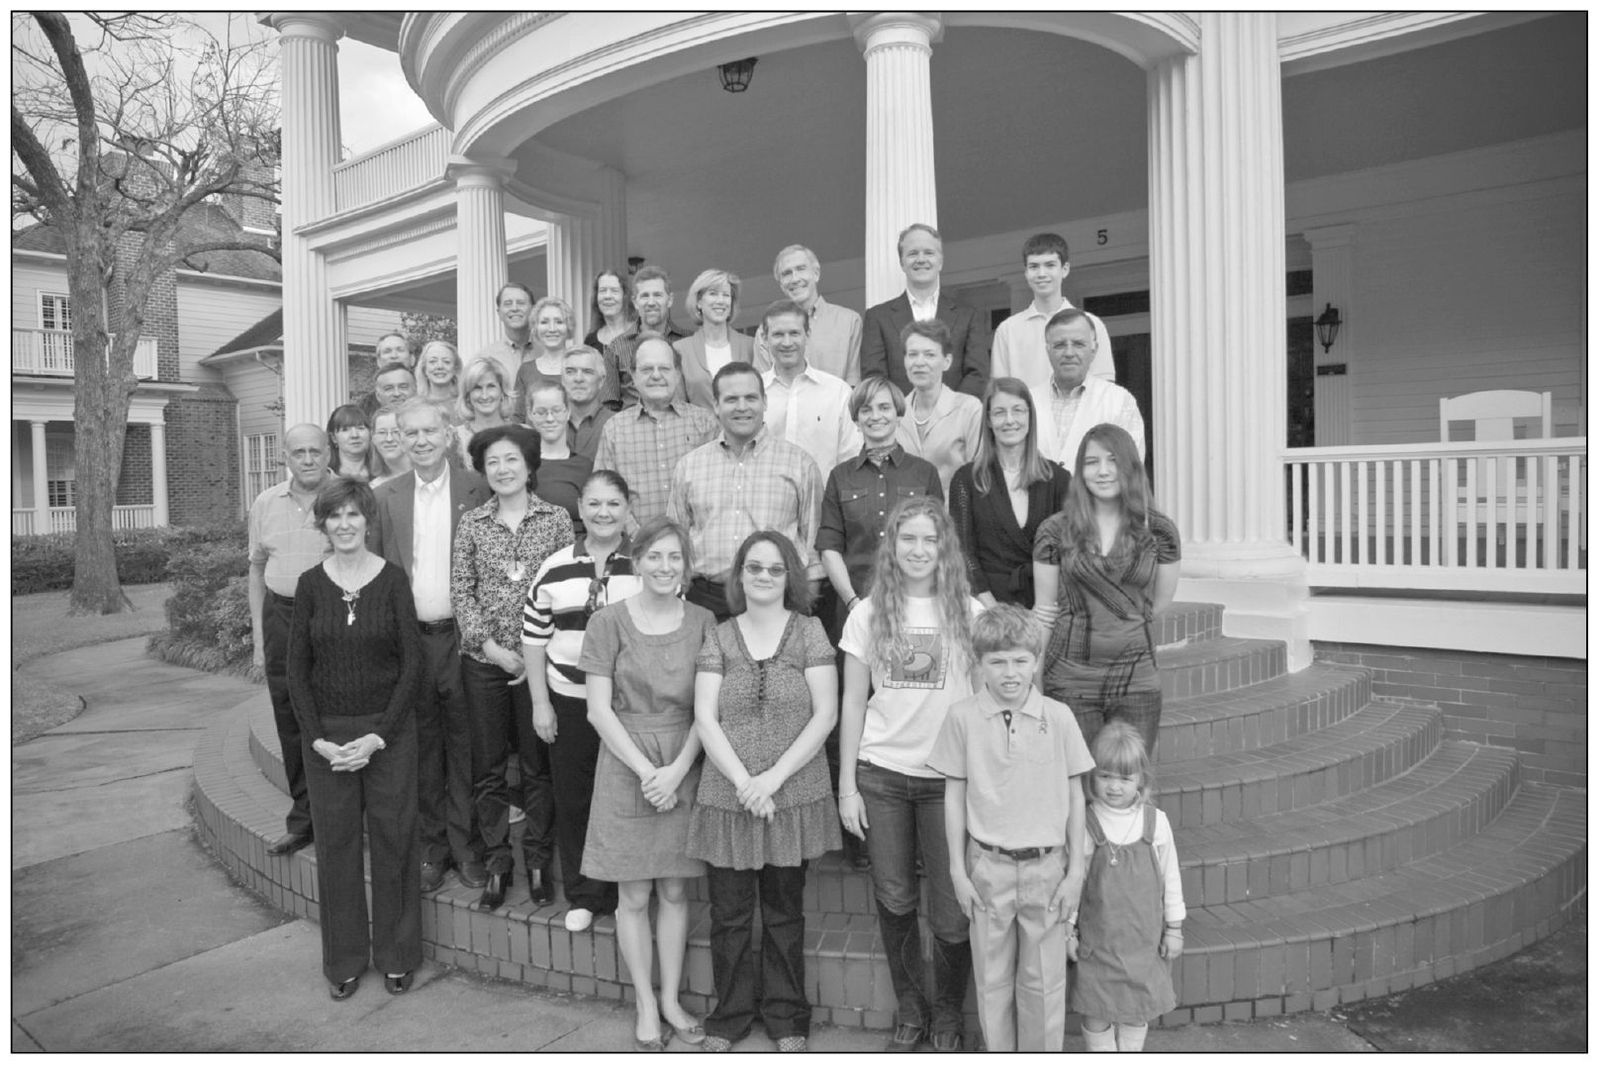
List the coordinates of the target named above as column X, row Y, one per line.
column 1333, row 847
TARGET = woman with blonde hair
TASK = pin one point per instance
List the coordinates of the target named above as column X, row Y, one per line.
column 551, row 325
column 484, row 402
column 439, row 368
column 910, row 639
column 713, row 301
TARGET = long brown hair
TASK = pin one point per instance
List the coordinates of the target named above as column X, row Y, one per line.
column 1136, row 497
column 888, row 623
column 1033, row 467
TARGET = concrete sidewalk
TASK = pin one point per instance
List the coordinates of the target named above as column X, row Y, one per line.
column 126, row 936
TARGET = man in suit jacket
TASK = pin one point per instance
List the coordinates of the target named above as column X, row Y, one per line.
column 416, row 528
column 919, row 249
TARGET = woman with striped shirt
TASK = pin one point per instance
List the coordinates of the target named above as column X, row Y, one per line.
column 569, row 587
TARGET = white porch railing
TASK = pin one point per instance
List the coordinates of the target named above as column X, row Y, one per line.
column 412, row 162
column 65, row 519
column 1498, row 516
column 48, row 352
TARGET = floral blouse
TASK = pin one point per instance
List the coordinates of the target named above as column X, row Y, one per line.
column 492, row 569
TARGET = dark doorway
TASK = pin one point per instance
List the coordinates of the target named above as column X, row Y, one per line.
column 1301, row 382
column 1134, row 372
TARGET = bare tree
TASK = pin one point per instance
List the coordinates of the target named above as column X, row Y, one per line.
column 112, row 145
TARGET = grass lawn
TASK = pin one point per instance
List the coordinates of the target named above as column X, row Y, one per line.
column 40, row 626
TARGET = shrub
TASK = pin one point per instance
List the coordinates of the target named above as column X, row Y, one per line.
column 46, row 563
column 209, row 612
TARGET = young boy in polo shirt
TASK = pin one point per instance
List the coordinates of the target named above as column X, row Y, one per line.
column 1015, row 815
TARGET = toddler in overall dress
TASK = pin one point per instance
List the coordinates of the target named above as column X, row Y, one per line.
column 1131, row 912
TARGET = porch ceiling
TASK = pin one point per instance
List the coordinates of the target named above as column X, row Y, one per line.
column 715, row 177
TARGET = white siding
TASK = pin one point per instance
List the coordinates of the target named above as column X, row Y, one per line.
column 257, row 389
column 210, row 315
column 365, row 325
column 27, row 281
column 1460, row 299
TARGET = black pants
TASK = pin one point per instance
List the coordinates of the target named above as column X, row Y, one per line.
column 770, row 986
column 573, row 779
column 446, row 821
column 276, row 611
column 504, row 729
column 385, row 796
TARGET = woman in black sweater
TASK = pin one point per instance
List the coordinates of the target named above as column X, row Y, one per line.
column 355, row 663
column 1000, row 499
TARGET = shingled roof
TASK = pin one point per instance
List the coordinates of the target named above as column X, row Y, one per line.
column 205, row 222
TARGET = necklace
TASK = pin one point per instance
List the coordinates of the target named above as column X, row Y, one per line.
column 928, row 417
column 348, row 595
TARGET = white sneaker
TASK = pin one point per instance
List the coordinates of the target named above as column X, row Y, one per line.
column 577, row 919
column 515, row 814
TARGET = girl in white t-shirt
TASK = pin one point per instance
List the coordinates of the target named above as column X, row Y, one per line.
column 911, row 638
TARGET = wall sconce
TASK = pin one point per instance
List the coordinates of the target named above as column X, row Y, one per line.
column 635, row 263
column 737, row 75
column 1326, row 327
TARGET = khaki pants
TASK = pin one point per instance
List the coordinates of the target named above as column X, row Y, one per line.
column 1017, row 944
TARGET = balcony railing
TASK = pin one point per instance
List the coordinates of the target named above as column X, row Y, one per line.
column 1500, row 516
column 65, row 519
column 416, row 160
column 48, row 353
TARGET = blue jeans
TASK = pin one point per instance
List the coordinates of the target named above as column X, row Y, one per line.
column 906, row 818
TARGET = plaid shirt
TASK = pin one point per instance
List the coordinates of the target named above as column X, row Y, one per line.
column 492, row 568
column 723, row 494
column 645, row 446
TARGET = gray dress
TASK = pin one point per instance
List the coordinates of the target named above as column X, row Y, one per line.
column 654, row 677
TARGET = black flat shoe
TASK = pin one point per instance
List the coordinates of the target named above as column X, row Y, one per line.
column 398, row 985
column 341, row 992
column 495, row 892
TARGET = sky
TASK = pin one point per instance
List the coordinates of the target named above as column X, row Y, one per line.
column 376, row 103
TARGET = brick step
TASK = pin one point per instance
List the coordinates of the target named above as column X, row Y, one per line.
column 1187, row 623
column 1368, row 748
column 1262, row 714
column 1219, row 664
column 1442, row 802
column 239, row 812
column 1516, row 881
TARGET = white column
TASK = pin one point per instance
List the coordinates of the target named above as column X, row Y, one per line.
column 158, row 471
column 899, row 151
column 1217, row 255
column 578, row 247
column 314, row 325
column 1332, row 263
column 41, row 477
column 481, row 250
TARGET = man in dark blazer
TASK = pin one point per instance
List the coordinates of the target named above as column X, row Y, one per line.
column 416, row 528
column 919, row 250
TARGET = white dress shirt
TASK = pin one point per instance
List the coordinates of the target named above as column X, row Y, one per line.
column 924, row 310
column 811, row 411
column 431, row 547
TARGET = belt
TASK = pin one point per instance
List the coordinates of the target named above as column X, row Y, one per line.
column 287, row 600
column 1019, row 854
column 436, row 628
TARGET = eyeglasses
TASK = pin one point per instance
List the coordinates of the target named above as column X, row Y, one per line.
column 756, row 569
column 596, row 596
